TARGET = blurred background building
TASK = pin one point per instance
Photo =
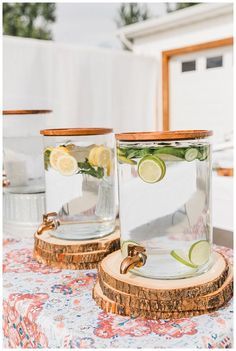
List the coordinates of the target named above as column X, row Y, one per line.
column 131, row 66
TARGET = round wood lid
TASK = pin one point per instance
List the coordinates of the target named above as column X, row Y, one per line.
column 25, row 112
column 165, row 135
column 75, row 131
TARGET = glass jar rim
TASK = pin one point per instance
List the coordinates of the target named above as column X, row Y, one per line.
column 164, row 135
column 24, row 112
column 75, row 131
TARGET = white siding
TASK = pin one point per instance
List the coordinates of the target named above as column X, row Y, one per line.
column 203, row 31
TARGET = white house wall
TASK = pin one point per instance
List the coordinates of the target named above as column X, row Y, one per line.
column 152, row 45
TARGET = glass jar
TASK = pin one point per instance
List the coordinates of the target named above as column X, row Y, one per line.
column 80, row 182
column 165, row 203
column 22, row 150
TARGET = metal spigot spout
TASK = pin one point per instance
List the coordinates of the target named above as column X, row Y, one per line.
column 5, row 181
column 136, row 258
column 49, row 223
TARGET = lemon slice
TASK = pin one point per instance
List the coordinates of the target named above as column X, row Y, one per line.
column 93, row 156
column 100, row 156
column 103, row 156
column 151, row 169
column 55, row 154
column 67, row 165
column 104, row 159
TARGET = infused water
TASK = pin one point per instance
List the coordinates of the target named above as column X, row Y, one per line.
column 165, row 205
column 80, row 187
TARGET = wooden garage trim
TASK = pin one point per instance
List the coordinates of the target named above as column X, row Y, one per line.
column 166, row 56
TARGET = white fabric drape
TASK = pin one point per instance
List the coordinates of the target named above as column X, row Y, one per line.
column 84, row 86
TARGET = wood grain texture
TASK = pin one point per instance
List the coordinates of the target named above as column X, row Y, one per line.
column 165, row 92
column 202, row 302
column 75, row 131
column 92, row 256
column 110, row 306
column 199, row 47
column 154, row 289
column 74, row 254
column 165, row 135
column 166, row 56
column 62, row 265
column 50, row 243
column 25, row 112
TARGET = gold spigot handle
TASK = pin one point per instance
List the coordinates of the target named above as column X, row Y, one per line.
column 136, row 258
column 50, row 222
column 5, row 181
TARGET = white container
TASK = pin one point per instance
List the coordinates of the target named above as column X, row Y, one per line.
column 22, row 150
column 24, row 186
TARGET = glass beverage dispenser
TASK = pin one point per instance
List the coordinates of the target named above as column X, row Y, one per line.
column 23, row 200
column 23, row 161
column 80, row 183
column 165, row 203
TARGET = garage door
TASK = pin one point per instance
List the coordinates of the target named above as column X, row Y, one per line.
column 201, row 91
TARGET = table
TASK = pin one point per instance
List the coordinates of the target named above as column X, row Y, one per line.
column 46, row 307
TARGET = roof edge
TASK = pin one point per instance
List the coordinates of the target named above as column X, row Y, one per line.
column 182, row 17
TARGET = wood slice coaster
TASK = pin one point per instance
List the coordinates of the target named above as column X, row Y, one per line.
column 134, row 295
column 62, row 265
column 155, row 289
column 74, row 254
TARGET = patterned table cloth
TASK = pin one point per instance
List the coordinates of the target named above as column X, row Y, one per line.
column 46, row 307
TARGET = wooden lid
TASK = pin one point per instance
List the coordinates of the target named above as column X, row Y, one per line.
column 165, row 135
column 76, row 131
column 25, row 112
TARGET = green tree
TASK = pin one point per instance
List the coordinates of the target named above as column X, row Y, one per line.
column 130, row 13
column 29, row 20
column 171, row 7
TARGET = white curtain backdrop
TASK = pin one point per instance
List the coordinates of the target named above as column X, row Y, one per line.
column 84, row 86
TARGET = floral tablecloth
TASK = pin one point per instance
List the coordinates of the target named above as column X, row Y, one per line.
column 45, row 307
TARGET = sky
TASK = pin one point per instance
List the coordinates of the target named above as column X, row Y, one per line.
column 92, row 24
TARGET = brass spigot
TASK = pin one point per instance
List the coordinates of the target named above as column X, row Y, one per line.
column 5, row 181
column 136, row 258
column 49, row 223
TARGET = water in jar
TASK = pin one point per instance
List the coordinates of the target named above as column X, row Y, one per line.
column 79, row 179
column 164, row 194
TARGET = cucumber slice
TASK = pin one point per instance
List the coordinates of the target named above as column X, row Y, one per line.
column 182, row 258
column 132, row 153
column 151, row 169
column 170, row 153
column 125, row 244
column 123, row 159
column 199, row 252
column 203, row 153
column 166, row 157
column 191, row 154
